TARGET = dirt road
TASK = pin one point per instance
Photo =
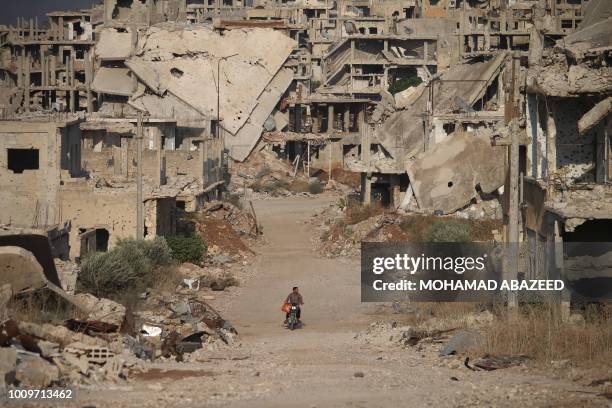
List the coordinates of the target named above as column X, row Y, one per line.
column 322, row 365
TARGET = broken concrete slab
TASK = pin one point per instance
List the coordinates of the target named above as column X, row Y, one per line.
column 100, row 309
column 57, row 334
column 181, row 63
column 184, row 61
column 461, row 342
column 595, row 115
column 445, row 177
column 34, row 372
column 247, row 137
column 114, row 81
column 20, row 269
column 403, row 132
column 113, row 45
column 8, row 364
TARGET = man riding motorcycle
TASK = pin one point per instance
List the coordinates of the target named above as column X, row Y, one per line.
column 295, row 298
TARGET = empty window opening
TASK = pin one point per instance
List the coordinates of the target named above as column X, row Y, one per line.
column 180, row 204
column 102, row 239
column 19, row 160
column 450, row 184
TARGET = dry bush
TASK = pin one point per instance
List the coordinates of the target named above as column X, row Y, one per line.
column 448, row 231
column 298, row 186
column 417, row 227
column 539, row 332
column 358, row 213
column 40, row 306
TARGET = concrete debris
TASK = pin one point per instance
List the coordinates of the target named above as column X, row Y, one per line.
column 253, row 81
column 20, row 269
column 490, row 363
column 8, row 364
column 35, row 372
column 114, row 45
column 100, row 309
column 447, row 177
column 461, row 343
column 114, row 81
column 595, row 115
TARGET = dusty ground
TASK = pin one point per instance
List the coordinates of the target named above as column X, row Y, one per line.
column 316, row 366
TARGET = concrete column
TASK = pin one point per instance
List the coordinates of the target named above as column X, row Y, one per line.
column 43, row 65
column 26, row 79
column 366, row 176
column 366, row 188
column 124, row 157
column 551, row 139
column 88, row 80
column 347, row 118
column 330, row 118
column 600, row 154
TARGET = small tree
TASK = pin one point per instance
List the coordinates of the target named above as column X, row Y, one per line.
column 403, row 84
column 187, row 248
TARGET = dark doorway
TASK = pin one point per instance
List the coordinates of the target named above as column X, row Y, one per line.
column 101, row 240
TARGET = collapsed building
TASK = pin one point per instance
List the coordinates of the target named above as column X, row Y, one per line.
column 129, row 127
column 565, row 159
column 407, row 93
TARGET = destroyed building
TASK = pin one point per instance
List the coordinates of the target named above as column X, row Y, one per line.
column 565, row 159
column 406, row 93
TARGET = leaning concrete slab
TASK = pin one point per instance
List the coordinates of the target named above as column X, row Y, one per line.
column 115, row 81
column 445, row 177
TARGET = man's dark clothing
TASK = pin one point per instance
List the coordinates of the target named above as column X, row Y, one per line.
column 295, row 298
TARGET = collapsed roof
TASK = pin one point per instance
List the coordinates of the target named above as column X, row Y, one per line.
column 457, row 89
column 182, row 61
column 576, row 65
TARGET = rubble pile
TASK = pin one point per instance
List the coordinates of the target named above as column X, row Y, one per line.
column 213, row 277
column 263, row 175
column 106, row 343
column 41, row 355
column 173, row 325
column 244, row 222
column 342, row 232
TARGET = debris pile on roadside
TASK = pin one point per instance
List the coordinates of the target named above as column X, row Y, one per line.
column 88, row 350
column 227, row 230
column 174, row 325
column 105, row 342
column 263, row 175
column 210, row 276
column 342, row 227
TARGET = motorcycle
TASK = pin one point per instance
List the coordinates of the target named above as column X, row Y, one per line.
column 292, row 321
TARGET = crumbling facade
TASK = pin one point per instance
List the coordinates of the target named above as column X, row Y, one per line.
column 405, row 92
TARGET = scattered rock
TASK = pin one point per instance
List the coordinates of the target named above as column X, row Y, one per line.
column 100, row 309
column 461, row 342
column 34, row 372
column 8, row 363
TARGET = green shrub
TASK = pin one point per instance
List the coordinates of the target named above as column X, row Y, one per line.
column 448, row 231
column 156, row 251
column 187, row 248
column 315, row 187
column 127, row 266
column 403, row 84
